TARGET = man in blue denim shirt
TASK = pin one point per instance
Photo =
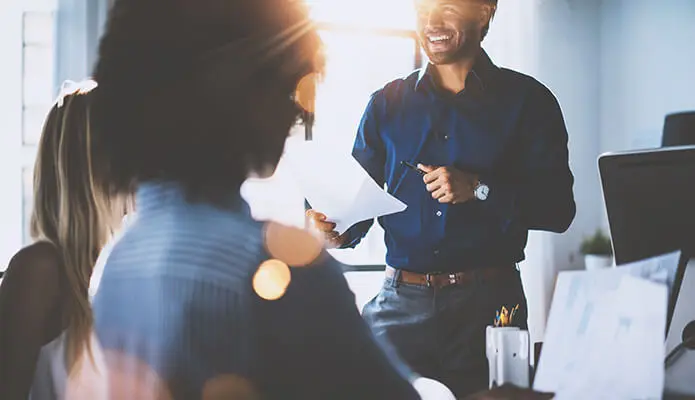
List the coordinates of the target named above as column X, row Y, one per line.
column 490, row 147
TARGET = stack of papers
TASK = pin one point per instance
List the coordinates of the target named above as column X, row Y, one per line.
column 335, row 184
column 605, row 332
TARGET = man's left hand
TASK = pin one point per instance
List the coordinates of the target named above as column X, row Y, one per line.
column 448, row 184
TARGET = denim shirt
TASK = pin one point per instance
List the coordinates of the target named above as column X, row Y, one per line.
column 504, row 126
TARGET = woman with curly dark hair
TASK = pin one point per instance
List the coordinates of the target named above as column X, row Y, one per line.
column 197, row 298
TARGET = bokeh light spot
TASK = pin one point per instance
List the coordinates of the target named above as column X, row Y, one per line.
column 293, row 246
column 271, row 279
column 305, row 94
column 227, row 387
column 131, row 378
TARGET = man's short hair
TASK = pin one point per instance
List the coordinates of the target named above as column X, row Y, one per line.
column 182, row 83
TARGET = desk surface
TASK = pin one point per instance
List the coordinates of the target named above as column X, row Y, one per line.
column 513, row 393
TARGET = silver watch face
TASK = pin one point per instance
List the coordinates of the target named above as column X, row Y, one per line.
column 481, row 191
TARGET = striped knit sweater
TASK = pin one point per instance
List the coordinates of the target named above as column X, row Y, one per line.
column 177, row 295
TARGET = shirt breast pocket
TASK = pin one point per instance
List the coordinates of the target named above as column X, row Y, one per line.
column 476, row 151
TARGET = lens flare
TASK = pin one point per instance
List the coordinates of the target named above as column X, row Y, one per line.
column 293, row 246
column 305, row 93
column 87, row 379
column 131, row 378
column 271, row 279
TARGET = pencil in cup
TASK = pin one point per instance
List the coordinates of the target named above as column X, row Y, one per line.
column 504, row 317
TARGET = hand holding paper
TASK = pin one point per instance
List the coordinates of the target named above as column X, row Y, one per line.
column 335, row 184
column 326, row 228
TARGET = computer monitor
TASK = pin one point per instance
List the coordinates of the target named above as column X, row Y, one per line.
column 650, row 201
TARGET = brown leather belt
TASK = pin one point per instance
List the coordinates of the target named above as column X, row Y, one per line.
column 440, row 280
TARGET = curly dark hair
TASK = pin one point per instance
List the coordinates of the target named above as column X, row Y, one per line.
column 199, row 92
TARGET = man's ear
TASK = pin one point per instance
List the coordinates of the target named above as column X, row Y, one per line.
column 487, row 13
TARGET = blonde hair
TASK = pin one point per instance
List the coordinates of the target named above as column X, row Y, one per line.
column 72, row 211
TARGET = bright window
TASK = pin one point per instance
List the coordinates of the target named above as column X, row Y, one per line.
column 367, row 45
column 357, row 65
column 379, row 14
column 28, row 68
column 38, row 66
column 277, row 198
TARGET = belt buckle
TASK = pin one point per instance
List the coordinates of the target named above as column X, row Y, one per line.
column 453, row 279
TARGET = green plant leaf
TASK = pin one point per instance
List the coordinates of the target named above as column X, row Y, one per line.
column 597, row 244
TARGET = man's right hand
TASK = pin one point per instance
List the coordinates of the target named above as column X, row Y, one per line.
column 326, row 228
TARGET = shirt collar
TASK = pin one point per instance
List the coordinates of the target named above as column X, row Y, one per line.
column 482, row 73
column 155, row 195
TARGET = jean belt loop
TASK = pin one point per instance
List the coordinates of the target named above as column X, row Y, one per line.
column 396, row 278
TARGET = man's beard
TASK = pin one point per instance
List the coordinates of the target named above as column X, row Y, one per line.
column 467, row 48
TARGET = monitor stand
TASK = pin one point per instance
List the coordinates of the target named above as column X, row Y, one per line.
column 679, row 376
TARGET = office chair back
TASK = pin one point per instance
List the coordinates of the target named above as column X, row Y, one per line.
column 679, row 129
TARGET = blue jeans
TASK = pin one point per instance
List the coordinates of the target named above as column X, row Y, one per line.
column 440, row 332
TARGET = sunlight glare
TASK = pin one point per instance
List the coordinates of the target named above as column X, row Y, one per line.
column 131, row 378
column 390, row 14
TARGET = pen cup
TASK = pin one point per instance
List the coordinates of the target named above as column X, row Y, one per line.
column 508, row 351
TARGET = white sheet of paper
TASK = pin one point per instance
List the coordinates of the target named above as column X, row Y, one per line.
column 622, row 350
column 605, row 332
column 335, row 184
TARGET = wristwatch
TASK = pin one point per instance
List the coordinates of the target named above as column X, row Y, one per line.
column 481, row 191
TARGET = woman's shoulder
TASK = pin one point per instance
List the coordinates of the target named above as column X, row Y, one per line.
column 38, row 265
column 44, row 255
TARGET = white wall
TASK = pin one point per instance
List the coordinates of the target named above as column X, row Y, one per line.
column 569, row 48
column 569, row 43
column 647, row 69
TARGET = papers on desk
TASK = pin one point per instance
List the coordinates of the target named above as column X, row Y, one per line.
column 334, row 183
column 605, row 332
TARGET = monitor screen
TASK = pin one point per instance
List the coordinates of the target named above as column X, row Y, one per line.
column 650, row 202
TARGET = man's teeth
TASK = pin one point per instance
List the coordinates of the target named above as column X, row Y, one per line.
column 439, row 38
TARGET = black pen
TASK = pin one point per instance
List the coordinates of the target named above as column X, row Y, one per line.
column 414, row 168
